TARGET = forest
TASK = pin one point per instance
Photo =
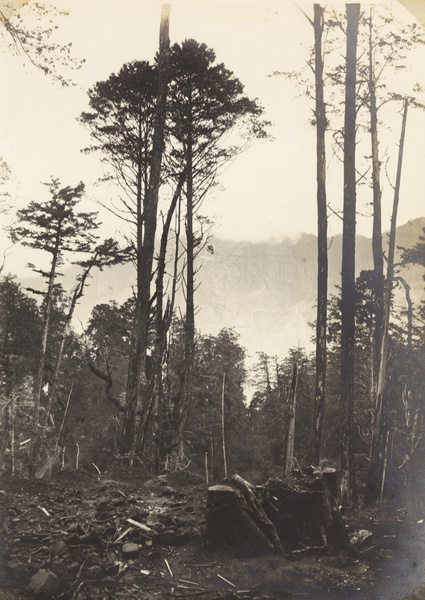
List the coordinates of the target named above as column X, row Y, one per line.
column 138, row 385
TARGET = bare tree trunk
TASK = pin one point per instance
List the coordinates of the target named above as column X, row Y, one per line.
column 378, row 260
column 162, row 323
column 223, row 439
column 290, row 426
column 348, row 485
column 78, row 293
column 64, row 415
column 379, row 434
column 46, row 323
column 38, row 384
column 322, row 241
column 137, row 384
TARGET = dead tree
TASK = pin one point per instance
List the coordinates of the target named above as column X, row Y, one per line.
column 379, row 434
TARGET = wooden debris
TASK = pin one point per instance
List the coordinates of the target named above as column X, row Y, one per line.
column 97, row 468
column 123, row 534
column 226, row 580
column 257, row 512
column 189, row 582
column 167, row 564
column 46, row 512
column 140, row 525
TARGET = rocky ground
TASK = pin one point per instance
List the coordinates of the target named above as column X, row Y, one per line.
column 122, row 535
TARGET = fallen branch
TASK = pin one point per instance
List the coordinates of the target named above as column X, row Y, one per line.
column 46, row 512
column 140, row 525
column 226, row 580
column 167, row 564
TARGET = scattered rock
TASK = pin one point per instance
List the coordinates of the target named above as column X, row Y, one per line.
column 359, row 539
column 44, row 582
column 130, row 550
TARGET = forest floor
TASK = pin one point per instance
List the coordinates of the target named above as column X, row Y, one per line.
column 70, row 538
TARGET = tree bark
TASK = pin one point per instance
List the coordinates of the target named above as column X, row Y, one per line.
column 348, row 485
column 322, row 242
column 137, row 383
column 379, row 434
column 290, row 426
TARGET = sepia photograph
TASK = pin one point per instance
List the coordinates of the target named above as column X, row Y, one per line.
column 212, row 300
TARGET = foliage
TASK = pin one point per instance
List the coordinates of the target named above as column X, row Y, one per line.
column 37, row 43
column 21, row 329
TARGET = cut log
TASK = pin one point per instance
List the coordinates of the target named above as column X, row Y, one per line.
column 257, row 513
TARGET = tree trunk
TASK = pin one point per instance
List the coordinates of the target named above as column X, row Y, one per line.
column 348, row 486
column 137, row 383
column 46, row 322
column 290, row 426
column 322, row 243
column 190, row 293
column 379, row 434
column 38, row 384
column 162, row 323
column 378, row 260
column 78, row 293
column 223, row 439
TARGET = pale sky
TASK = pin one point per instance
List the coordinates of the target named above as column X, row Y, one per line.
column 269, row 192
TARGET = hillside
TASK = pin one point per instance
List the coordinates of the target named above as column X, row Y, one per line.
column 265, row 290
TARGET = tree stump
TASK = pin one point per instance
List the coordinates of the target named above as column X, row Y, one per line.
column 229, row 525
column 305, row 513
column 299, row 513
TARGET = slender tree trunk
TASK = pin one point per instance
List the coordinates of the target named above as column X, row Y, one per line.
column 348, row 485
column 136, row 382
column 290, row 426
column 322, row 243
column 162, row 323
column 223, row 438
column 379, row 434
column 183, row 401
column 378, row 260
column 64, row 414
column 38, row 384
column 46, row 323
column 78, row 293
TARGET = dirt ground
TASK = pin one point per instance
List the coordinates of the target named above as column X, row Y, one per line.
column 71, row 538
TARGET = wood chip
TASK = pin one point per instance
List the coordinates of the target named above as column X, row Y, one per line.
column 46, row 512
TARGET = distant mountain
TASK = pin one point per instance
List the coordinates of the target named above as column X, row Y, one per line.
column 265, row 290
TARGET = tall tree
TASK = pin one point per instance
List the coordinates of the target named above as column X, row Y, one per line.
column 137, row 384
column 322, row 240
column 375, row 478
column 56, row 228
column 127, row 122
column 378, row 260
column 206, row 104
column 348, row 485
